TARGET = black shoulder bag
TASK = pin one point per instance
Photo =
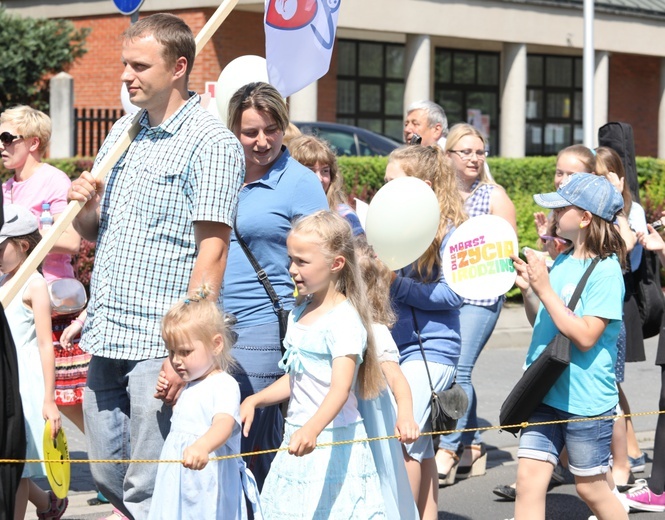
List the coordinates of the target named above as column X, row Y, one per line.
column 541, row 375
column 278, row 306
column 447, row 406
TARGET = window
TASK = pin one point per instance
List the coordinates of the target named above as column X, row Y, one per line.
column 370, row 86
column 553, row 103
column 469, row 81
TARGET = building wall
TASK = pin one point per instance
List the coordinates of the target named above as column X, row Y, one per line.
column 634, row 97
column 97, row 74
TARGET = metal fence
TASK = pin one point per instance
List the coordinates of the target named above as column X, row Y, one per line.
column 91, row 126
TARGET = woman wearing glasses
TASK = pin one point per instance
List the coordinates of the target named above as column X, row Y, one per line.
column 463, row 455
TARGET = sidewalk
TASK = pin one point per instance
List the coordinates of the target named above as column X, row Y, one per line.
column 512, row 330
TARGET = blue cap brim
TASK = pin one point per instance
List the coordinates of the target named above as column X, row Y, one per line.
column 551, row 200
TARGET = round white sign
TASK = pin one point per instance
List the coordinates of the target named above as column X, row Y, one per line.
column 476, row 261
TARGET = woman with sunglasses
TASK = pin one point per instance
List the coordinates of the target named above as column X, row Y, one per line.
column 24, row 138
column 275, row 191
column 463, row 455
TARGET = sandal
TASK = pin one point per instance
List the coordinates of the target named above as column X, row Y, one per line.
column 55, row 511
column 478, row 466
column 446, row 479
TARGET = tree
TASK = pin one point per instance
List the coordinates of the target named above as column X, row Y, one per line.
column 31, row 51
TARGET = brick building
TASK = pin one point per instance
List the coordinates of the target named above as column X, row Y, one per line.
column 518, row 62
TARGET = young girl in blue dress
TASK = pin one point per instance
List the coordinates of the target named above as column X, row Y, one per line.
column 205, row 421
column 329, row 348
column 585, row 209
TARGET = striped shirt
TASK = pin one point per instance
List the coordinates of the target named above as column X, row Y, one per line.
column 477, row 204
column 187, row 169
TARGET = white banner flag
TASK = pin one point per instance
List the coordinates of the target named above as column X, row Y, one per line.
column 299, row 40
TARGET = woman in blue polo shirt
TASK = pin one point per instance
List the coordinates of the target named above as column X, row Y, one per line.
column 276, row 190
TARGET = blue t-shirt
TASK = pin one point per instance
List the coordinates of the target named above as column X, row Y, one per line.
column 266, row 209
column 437, row 310
column 588, row 386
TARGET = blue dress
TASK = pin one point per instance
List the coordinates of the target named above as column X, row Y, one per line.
column 334, row 482
column 219, row 489
column 379, row 417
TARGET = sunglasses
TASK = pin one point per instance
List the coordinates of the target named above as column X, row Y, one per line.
column 6, row 138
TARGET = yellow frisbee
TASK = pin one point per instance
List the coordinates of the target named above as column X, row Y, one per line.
column 58, row 471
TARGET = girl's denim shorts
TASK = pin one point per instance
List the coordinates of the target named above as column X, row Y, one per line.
column 588, row 442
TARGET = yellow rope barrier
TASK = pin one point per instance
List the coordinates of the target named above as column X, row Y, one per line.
column 330, row 444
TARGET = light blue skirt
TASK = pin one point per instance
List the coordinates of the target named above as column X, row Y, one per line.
column 337, row 482
column 379, row 417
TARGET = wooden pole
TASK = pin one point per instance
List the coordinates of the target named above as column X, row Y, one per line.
column 12, row 287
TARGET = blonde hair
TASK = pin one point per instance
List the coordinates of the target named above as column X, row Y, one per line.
column 29, row 122
column 198, row 318
column 309, row 150
column 582, row 154
column 291, row 132
column 429, row 163
column 377, row 277
column 607, row 160
column 459, row 131
column 337, row 240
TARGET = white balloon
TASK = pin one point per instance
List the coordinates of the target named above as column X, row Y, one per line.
column 127, row 105
column 402, row 221
column 238, row 73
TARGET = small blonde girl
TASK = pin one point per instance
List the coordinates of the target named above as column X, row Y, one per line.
column 29, row 318
column 330, row 351
column 205, row 421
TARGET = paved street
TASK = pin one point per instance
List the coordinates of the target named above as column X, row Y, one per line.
column 499, row 366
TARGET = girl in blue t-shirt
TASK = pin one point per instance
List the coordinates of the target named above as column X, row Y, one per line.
column 330, row 351
column 584, row 211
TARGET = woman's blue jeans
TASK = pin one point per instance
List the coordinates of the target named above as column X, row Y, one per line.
column 476, row 325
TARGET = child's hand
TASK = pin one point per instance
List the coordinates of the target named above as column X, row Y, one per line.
column 541, row 222
column 407, row 429
column 195, row 457
column 302, row 442
column 522, row 281
column 162, row 385
column 651, row 242
column 68, row 335
column 536, row 271
column 51, row 413
column 175, row 384
column 247, row 410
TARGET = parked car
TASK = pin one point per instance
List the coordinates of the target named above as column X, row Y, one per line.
column 350, row 140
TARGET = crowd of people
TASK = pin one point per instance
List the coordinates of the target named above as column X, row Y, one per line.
column 207, row 236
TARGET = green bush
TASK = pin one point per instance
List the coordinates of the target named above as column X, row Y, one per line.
column 363, row 177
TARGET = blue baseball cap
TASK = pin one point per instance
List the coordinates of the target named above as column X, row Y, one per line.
column 590, row 192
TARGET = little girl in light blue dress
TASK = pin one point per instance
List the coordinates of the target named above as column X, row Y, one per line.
column 329, row 348
column 205, row 422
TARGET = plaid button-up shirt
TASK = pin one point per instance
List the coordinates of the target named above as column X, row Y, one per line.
column 187, row 169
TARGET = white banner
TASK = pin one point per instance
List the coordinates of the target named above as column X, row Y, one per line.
column 300, row 35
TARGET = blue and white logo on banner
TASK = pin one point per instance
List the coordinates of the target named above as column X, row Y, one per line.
column 128, row 7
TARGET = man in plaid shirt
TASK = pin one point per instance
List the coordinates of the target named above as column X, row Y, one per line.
column 162, row 223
